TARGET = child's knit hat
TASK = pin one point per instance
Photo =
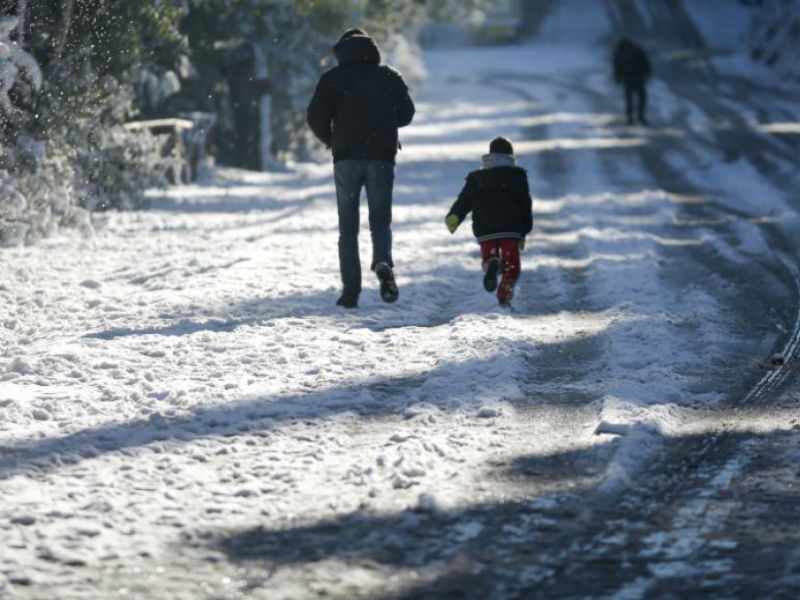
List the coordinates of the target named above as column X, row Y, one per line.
column 501, row 145
column 353, row 32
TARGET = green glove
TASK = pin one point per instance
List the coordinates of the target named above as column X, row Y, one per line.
column 522, row 243
column 452, row 222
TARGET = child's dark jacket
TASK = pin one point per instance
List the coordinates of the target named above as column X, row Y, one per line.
column 500, row 201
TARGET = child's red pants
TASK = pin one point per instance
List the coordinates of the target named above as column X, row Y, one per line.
column 507, row 251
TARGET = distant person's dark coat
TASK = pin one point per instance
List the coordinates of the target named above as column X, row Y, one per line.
column 359, row 104
column 631, row 65
column 500, row 201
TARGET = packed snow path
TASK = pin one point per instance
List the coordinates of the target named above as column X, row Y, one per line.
column 184, row 413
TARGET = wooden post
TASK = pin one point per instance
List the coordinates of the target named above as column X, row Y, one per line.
column 262, row 86
column 67, row 8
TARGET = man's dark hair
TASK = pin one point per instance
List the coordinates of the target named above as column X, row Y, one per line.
column 352, row 32
column 501, row 145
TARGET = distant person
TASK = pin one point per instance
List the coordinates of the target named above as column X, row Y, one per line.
column 356, row 110
column 632, row 69
column 500, row 201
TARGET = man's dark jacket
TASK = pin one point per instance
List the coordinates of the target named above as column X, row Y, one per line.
column 358, row 105
column 500, row 201
column 631, row 65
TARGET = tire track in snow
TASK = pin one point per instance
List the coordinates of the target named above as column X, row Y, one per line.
column 687, row 489
column 772, row 380
column 711, row 468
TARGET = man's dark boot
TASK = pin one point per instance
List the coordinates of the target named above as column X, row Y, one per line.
column 348, row 300
column 389, row 291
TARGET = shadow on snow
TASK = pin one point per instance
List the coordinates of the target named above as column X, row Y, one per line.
column 550, row 544
column 386, row 396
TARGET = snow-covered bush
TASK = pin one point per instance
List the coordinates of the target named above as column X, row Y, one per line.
column 13, row 210
column 69, row 154
column 37, row 193
column 83, row 122
column 17, row 68
column 34, row 193
column 63, row 101
column 37, row 200
column 118, row 166
column 776, row 36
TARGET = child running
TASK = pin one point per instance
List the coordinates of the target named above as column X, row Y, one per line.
column 499, row 198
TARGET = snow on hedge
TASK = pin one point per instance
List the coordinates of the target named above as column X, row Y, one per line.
column 60, row 158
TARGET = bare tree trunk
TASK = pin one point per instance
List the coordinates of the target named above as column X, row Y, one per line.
column 22, row 8
column 67, row 7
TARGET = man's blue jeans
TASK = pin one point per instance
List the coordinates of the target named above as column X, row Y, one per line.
column 377, row 176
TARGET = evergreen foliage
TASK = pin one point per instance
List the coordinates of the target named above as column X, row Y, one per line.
column 73, row 71
column 63, row 148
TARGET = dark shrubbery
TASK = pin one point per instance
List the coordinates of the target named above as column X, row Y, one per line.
column 81, row 68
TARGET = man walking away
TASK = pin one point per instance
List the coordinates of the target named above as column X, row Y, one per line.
column 356, row 111
column 632, row 69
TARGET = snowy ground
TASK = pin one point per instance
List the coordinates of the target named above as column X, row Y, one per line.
column 184, row 413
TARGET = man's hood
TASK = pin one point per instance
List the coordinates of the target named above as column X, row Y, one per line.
column 357, row 49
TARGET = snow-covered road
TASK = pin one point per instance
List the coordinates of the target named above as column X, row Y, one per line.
column 184, row 413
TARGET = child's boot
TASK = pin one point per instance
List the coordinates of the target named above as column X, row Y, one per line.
column 491, row 269
column 505, row 293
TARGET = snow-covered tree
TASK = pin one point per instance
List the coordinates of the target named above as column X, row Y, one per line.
column 16, row 66
column 63, row 148
column 294, row 38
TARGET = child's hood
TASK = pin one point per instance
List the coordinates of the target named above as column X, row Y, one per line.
column 495, row 159
column 502, row 172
